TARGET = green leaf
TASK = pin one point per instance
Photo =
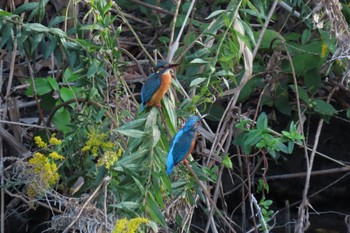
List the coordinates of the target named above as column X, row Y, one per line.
column 251, row 138
column 226, row 161
column 273, row 154
column 6, row 34
column 47, row 102
column 50, row 46
column 305, row 62
column 58, row 32
column 42, row 86
column 36, row 27
column 261, row 123
column 127, row 205
column 92, row 69
column 5, row 13
column 269, row 37
column 26, row 7
column 57, row 20
column 36, row 40
column 282, row 104
column 66, row 94
column 164, row 39
column 197, row 81
column 133, row 133
column 70, row 76
column 290, row 146
column 154, row 210
column 53, row 83
column 305, row 36
column 62, row 120
column 224, row 73
column 324, row 108
column 348, row 113
column 302, row 93
column 281, row 147
column 133, row 124
column 170, row 114
column 215, row 13
column 199, row 61
column 313, row 80
column 155, row 135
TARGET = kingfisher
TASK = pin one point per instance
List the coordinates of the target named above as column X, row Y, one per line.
column 156, row 85
column 183, row 143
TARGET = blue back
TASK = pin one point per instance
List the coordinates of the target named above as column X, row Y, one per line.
column 152, row 83
column 150, row 87
column 181, row 143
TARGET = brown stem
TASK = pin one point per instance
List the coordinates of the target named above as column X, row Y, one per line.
column 80, row 100
column 207, row 194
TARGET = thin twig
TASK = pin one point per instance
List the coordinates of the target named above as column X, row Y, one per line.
column 24, row 124
column 29, row 203
column 267, row 21
column 210, row 218
column 156, row 8
column 11, row 140
column 121, row 14
column 175, row 46
column 258, row 209
column 94, row 103
column 207, row 194
column 303, row 219
column 174, row 23
column 105, row 180
column 313, row 173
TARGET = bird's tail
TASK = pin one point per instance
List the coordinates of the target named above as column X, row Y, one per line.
column 169, row 164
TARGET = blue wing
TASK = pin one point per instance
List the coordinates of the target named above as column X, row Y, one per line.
column 179, row 148
column 150, row 87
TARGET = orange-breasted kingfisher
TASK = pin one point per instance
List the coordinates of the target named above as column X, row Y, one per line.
column 156, row 85
column 183, row 143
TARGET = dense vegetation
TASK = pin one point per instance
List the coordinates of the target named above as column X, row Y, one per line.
column 77, row 154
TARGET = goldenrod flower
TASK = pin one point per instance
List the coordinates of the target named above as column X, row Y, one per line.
column 54, row 155
column 55, row 141
column 109, row 158
column 39, row 142
column 121, row 226
column 135, row 223
column 44, row 174
column 97, row 141
column 129, row 226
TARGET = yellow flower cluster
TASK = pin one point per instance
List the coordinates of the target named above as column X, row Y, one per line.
column 39, row 142
column 55, row 156
column 128, row 226
column 109, row 158
column 55, row 141
column 97, row 141
column 44, row 174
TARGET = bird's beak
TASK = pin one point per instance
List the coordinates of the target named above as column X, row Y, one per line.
column 173, row 65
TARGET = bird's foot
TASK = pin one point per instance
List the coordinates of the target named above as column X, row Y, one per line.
column 185, row 162
column 159, row 106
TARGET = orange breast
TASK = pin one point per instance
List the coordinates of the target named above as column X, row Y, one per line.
column 192, row 145
column 164, row 87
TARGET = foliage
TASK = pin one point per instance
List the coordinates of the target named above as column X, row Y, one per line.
column 84, row 94
column 263, row 138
